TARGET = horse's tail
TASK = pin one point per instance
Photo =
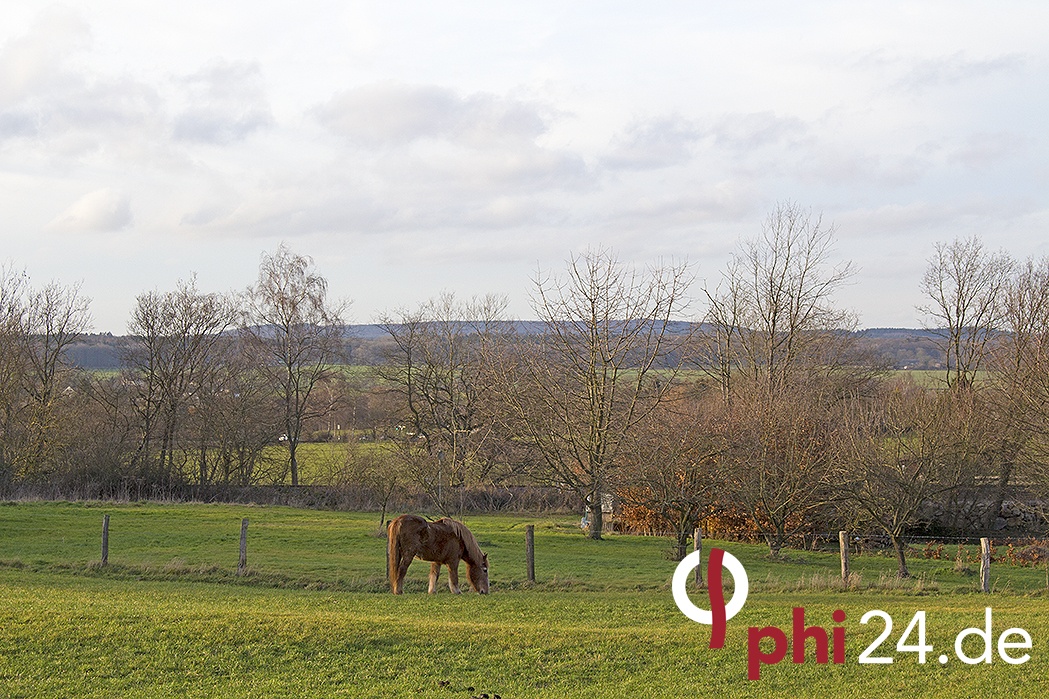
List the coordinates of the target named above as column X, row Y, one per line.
column 393, row 554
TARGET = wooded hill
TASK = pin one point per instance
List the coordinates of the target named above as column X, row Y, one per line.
column 900, row 348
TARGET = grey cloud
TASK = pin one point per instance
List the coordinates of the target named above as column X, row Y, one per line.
column 932, row 218
column 217, row 126
column 840, row 167
column 891, row 220
column 226, row 103
column 983, row 149
column 957, row 68
column 401, row 194
column 726, row 201
column 45, row 93
column 293, row 208
column 205, row 214
column 758, row 129
column 104, row 105
column 86, row 117
column 18, row 124
column 535, row 169
column 653, row 144
column 393, row 114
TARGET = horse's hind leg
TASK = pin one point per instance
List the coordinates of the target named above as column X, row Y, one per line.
column 435, row 572
column 402, row 572
column 453, row 577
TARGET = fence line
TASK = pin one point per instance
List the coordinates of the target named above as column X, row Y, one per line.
column 846, row 541
column 830, row 537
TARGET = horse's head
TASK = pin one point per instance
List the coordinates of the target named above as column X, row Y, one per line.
column 478, row 575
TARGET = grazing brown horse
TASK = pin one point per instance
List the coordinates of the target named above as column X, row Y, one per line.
column 442, row 542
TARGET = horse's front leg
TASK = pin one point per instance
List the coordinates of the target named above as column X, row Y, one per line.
column 435, row 572
column 453, row 577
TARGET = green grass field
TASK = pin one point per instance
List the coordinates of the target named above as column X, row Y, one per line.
column 168, row 617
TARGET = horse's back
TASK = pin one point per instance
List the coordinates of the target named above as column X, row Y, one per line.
column 410, row 532
column 409, row 521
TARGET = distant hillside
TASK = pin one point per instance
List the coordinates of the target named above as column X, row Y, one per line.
column 98, row 352
column 903, row 348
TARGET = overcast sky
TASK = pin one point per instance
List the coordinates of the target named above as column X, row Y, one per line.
column 417, row 147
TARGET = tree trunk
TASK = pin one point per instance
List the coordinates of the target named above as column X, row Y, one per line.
column 292, row 446
column 900, row 547
column 775, row 540
column 683, row 537
column 203, row 463
column 774, row 547
column 597, row 523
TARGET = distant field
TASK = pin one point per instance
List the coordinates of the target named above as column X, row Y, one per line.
column 168, row 617
column 934, row 377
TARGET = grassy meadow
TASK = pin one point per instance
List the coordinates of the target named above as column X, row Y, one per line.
column 168, row 616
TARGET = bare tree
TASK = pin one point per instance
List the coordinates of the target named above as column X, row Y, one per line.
column 1019, row 369
column 297, row 334
column 180, row 345
column 13, row 287
column 672, row 481
column 437, row 368
column 607, row 356
column 235, row 420
column 778, row 462
column 907, row 448
column 54, row 317
column 785, row 357
column 964, row 283
column 773, row 318
column 107, row 441
column 36, row 328
column 379, row 471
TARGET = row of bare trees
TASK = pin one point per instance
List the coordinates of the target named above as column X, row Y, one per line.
column 210, row 382
column 37, row 324
column 770, row 407
column 764, row 406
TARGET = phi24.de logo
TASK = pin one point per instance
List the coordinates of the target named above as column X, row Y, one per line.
column 829, row 647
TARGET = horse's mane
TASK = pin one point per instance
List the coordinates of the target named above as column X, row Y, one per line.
column 467, row 537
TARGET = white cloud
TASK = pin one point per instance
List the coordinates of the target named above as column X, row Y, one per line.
column 102, row 210
column 466, row 133
column 390, row 113
column 36, row 61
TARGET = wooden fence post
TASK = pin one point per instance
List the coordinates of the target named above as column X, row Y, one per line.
column 105, row 539
column 242, row 566
column 843, row 547
column 530, row 552
column 985, row 565
column 697, row 545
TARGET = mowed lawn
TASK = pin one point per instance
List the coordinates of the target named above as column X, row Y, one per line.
column 169, row 617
